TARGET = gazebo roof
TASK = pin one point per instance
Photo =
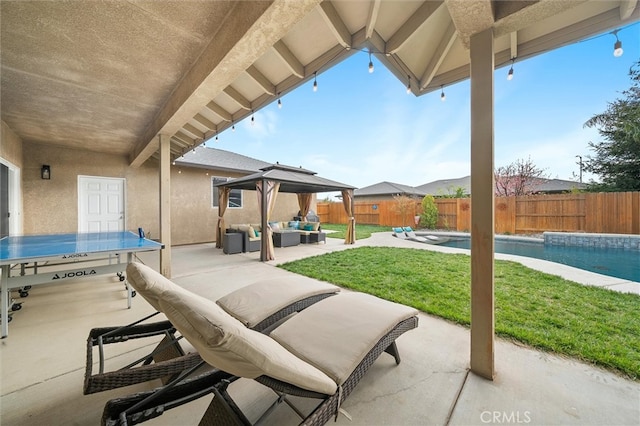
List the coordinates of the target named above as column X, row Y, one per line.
column 291, row 179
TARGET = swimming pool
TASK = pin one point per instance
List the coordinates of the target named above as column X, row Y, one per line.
column 618, row 263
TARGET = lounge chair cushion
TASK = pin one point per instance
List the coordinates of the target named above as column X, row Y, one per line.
column 345, row 328
column 223, row 341
column 148, row 283
column 253, row 303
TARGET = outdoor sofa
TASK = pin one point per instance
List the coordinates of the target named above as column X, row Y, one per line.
column 251, row 235
column 309, row 232
column 293, row 359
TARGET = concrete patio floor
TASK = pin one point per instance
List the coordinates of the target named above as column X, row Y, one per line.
column 43, row 359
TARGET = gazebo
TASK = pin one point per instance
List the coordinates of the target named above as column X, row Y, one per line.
column 280, row 178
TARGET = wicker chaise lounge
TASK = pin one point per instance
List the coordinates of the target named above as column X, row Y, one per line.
column 321, row 352
column 259, row 305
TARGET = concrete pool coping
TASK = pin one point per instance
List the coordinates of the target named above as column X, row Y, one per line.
column 565, row 271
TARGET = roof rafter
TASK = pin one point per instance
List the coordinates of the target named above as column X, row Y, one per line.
column 513, row 40
column 205, row 122
column 627, row 7
column 372, row 18
column 439, row 55
column 184, row 138
column 335, row 23
column 179, row 142
column 189, row 128
column 219, row 111
column 289, row 59
column 262, row 80
column 333, row 55
column 238, row 97
column 411, row 25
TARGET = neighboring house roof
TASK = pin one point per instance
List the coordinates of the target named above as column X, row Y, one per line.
column 291, row 179
column 387, row 188
column 446, row 186
column 449, row 186
column 558, row 185
column 218, row 159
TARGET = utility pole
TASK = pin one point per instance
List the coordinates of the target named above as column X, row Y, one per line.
column 580, row 164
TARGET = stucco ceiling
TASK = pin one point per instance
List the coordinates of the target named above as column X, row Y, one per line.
column 109, row 76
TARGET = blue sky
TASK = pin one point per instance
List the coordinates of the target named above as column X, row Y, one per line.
column 361, row 128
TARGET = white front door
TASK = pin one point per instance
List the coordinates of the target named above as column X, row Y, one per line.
column 100, row 204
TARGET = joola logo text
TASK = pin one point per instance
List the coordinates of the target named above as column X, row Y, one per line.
column 75, row 274
column 71, row 256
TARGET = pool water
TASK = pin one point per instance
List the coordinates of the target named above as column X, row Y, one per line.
column 618, row 263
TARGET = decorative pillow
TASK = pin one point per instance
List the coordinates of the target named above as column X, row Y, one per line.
column 275, row 226
column 408, row 229
column 308, row 227
column 294, row 224
column 256, row 233
column 398, row 230
column 222, row 340
column 316, row 226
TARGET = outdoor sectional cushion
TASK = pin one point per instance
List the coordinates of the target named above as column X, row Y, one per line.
column 223, row 341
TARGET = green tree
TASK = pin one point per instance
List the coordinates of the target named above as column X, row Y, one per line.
column 617, row 157
column 429, row 216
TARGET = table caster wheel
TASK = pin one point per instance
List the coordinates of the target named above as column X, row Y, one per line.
column 24, row 293
column 16, row 307
column 133, row 293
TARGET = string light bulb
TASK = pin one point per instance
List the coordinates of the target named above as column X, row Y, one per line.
column 253, row 119
column 510, row 74
column 233, row 127
column 617, row 46
column 279, row 104
column 315, row 82
column 370, row 63
column 443, row 97
column 408, row 84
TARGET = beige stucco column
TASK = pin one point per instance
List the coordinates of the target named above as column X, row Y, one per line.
column 482, row 207
column 165, row 205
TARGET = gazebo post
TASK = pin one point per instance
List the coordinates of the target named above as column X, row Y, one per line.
column 263, row 222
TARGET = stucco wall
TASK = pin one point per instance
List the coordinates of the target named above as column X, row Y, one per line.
column 51, row 206
column 10, row 146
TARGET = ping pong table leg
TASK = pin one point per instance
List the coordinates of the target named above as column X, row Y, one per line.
column 129, row 295
column 5, row 300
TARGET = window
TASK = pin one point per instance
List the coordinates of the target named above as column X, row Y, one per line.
column 235, row 196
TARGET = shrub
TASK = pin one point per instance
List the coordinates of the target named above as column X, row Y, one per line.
column 429, row 216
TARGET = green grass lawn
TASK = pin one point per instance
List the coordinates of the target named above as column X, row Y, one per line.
column 541, row 310
column 362, row 231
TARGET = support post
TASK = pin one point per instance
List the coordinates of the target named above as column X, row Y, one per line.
column 165, row 205
column 263, row 222
column 482, row 211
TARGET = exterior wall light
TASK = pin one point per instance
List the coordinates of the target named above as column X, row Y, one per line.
column 45, row 172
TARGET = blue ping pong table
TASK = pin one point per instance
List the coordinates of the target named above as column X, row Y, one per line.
column 65, row 249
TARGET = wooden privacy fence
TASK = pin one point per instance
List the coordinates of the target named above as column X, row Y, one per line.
column 604, row 212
